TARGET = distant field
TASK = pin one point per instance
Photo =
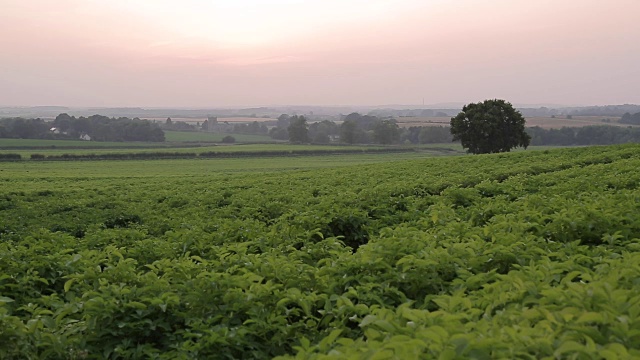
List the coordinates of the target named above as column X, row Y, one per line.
column 181, row 168
column 244, row 119
column 26, row 153
column 543, row 122
column 576, row 121
column 38, row 143
column 194, row 121
column 423, row 121
column 185, row 136
column 174, row 139
column 182, row 119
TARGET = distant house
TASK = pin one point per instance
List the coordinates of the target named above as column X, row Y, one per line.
column 85, row 137
column 56, row 130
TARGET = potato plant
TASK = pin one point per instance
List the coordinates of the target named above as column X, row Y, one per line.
column 529, row 255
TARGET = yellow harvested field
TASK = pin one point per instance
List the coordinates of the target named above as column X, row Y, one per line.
column 576, row 121
column 409, row 121
column 244, row 119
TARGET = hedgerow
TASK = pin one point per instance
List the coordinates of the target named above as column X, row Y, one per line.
column 148, row 155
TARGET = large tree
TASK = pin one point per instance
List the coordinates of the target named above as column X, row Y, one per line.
column 491, row 126
column 63, row 122
column 386, row 132
column 298, row 129
column 627, row 118
column 349, row 132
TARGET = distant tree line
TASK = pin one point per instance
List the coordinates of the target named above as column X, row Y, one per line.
column 428, row 134
column 96, row 128
column 363, row 129
column 356, row 129
column 19, row 128
column 254, row 128
column 586, row 135
column 367, row 129
column 627, row 118
column 103, row 128
column 177, row 125
column 211, row 124
column 606, row 110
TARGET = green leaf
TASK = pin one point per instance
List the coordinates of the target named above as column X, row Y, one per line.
column 136, row 305
column 608, row 354
column 569, row 347
column 385, row 325
column 48, row 322
column 304, row 342
column 368, row 320
column 447, row 354
column 590, row 317
column 382, row 355
column 68, row 283
column 328, row 340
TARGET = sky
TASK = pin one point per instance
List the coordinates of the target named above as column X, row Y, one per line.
column 217, row 53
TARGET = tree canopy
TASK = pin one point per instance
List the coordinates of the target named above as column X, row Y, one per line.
column 97, row 127
column 491, row 126
column 627, row 118
column 386, row 132
column 349, row 132
column 298, row 129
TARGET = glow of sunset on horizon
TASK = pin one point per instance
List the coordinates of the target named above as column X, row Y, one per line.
column 199, row 53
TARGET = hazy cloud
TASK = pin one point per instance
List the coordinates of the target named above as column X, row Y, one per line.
column 218, row 53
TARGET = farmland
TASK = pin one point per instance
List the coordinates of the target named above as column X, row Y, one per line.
column 231, row 120
column 543, row 122
column 184, row 136
column 217, row 151
column 195, row 144
column 6, row 143
column 174, row 139
column 529, row 255
column 175, row 168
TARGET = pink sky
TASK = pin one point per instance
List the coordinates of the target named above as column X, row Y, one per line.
column 198, row 53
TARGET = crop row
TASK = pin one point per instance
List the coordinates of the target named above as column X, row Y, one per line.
column 524, row 255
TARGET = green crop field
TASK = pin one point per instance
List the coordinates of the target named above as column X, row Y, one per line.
column 238, row 149
column 185, row 136
column 525, row 255
column 36, row 171
column 69, row 144
column 173, row 138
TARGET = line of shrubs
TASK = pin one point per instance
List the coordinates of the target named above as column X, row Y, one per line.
column 214, row 154
column 10, row 157
column 207, row 155
column 116, row 156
